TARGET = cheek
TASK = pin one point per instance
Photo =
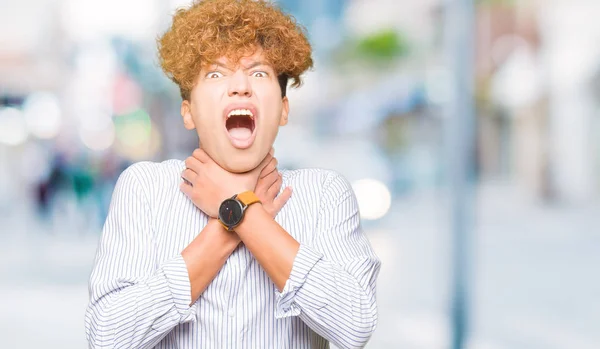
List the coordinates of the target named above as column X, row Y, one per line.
column 207, row 114
column 207, row 103
column 270, row 127
column 207, row 125
column 272, row 106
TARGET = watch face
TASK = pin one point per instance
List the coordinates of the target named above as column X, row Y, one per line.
column 230, row 212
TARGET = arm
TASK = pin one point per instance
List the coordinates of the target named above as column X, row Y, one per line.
column 329, row 283
column 207, row 254
column 273, row 248
column 133, row 304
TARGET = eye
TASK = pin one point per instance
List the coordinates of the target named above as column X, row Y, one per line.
column 213, row 75
column 259, row 74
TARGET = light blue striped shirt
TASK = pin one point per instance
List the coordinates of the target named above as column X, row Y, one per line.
column 140, row 290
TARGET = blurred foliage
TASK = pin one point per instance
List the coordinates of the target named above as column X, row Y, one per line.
column 133, row 128
column 384, row 46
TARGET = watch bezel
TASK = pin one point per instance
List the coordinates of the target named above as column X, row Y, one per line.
column 232, row 224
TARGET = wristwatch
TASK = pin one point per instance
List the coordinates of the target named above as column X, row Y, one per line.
column 231, row 211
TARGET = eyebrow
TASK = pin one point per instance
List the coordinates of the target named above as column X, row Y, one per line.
column 252, row 65
column 256, row 64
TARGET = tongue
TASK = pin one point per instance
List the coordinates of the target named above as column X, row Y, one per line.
column 240, row 133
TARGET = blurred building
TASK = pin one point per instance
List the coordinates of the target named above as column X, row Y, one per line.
column 538, row 110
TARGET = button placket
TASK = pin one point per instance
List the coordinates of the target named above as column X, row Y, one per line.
column 234, row 259
column 245, row 258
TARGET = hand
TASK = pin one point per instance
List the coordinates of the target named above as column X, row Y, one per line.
column 268, row 186
column 207, row 184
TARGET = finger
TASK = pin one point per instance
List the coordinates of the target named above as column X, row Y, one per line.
column 272, row 151
column 186, row 188
column 266, row 182
column 275, row 187
column 189, row 176
column 264, row 163
column 271, row 166
column 193, row 164
column 271, row 180
column 201, row 155
column 282, row 199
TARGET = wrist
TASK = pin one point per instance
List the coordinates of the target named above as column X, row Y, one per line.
column 213, row 239
column 226, row 237
column 252, row 212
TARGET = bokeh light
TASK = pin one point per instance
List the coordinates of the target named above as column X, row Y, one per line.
column 13, row 130
column 133, row 128
column 97, row 132
column 374, row 198
column 144, row 148
column 137, row 137
column 43, row 115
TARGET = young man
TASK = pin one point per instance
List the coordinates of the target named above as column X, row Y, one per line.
column 210, row 253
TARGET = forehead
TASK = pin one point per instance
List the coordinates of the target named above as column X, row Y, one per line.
column 244, row 60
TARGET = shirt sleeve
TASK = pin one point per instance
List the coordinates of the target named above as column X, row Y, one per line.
column 134, row 302
column 332, row 283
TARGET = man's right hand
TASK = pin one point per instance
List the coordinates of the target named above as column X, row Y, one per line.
column 207, row 184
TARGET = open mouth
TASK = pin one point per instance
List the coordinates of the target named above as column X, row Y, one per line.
column 240, row 124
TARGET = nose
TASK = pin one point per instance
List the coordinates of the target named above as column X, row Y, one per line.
column 240, row 85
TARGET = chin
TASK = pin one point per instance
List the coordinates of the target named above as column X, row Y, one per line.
column 240, row 164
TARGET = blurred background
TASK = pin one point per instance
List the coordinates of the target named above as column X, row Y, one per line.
column 82, row 97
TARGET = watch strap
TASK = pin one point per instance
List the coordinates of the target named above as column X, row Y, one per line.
column 248, row 198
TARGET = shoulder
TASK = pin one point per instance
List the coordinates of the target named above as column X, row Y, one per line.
column 323, row 180
column 148, row 173
column 152, row 178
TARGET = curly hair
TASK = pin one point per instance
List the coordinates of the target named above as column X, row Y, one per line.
column 210, row 29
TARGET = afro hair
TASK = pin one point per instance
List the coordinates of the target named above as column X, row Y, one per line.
column 211, row 29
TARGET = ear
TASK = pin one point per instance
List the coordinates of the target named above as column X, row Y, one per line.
column 285, row 110
column 186, row 113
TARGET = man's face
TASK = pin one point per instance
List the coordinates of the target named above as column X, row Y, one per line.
column 236, row 109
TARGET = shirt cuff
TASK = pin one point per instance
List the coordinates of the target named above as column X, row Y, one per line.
column 305, row 260
column 177, row 283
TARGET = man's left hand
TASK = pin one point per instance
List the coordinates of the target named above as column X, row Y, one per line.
column 268, row 187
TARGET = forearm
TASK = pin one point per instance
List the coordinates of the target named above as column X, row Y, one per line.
column 269, row 243
column 335, row 298
column 336, row 301
column 207, row 254
column 137, row 313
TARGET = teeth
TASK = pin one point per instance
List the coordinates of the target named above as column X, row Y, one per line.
column 241, row 112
